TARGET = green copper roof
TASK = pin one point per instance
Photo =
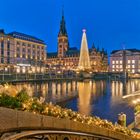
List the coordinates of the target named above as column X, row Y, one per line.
column 62, row 30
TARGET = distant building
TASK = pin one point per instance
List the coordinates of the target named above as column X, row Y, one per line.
column 21, row 53
column 67, row 58
column 125, row 61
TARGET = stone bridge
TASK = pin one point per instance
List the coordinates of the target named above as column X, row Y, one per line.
column 19, row 125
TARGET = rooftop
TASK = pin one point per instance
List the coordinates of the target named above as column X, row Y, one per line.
column 26, row 37
column 132, row 50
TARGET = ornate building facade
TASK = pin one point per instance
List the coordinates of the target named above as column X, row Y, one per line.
column 21, row 53
column 67, row 58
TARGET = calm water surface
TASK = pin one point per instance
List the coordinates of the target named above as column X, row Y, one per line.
column 101, row 98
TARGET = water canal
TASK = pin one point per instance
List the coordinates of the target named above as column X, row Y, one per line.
column 91, row 97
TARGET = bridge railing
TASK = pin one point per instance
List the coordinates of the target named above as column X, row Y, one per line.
column 20, row 121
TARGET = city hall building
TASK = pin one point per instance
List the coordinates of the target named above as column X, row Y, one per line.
column 67, row 58
column 21, row 53
column 125, row 61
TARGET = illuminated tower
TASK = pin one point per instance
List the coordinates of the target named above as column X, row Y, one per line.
column 84, row 61
column 63, row 43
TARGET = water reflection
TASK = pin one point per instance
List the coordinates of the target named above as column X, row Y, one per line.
column 100, row 97
column 84, row 90
column 52, row 91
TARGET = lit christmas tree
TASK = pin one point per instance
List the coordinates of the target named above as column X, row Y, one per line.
column 84, row 61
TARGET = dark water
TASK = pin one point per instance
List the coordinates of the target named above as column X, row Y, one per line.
column 101, row 98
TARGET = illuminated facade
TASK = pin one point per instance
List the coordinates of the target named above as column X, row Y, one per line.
column 67, row 58
column 21, row 53
column 125, row 61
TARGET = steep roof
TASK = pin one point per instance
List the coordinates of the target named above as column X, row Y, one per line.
column 62, row 30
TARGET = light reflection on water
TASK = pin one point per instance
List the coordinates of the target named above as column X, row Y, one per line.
column 101, row 98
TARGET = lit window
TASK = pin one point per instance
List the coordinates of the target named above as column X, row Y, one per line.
column 128, row 61
column 117, row 66
column 133, row 71
column 113, row 66
column 120, row 66
column 128, row 66
column 116, row 62
column 133, row 66
column 133, row 61
column 113, row 70
column 121, row 62
column 113, row 62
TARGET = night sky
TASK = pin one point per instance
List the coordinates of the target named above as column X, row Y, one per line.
column 109, row 23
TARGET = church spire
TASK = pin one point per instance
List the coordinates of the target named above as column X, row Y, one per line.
column 62, row 31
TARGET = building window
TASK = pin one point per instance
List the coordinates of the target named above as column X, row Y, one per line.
column 120, row 66
column 2, row 60
column 128, row 66
column 33, row 46
column 120, row 61
column 8, row 60
column 29, row 50
column 23, row 56
column 2, row 52
column 38, row 47
column 18, row 49
column 113, row 62
column 29, row 56
column 33, row 52
column 18, row 43
column 133, row 71
column 23, row 44
column 23, row 49
column 128, row 61
column 8, row 53
column 133, row 66
column 18, row 55
column 133, row 61
column 116, row 62
column 60, row 46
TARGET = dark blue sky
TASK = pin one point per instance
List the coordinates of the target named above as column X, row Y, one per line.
column 109, row 23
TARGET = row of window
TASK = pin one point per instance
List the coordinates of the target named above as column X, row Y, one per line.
column 29, row 56
column 29, row 51
column 120, row 66
column 29, row 45
column 120, row 62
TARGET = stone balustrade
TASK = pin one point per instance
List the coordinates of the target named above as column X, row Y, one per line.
column 14, row 120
